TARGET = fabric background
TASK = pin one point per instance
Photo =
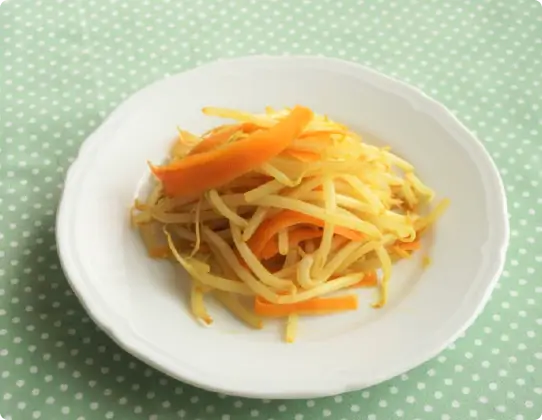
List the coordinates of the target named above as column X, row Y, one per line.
column 66, row 64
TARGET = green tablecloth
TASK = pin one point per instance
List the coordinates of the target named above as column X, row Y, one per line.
column 66, row 64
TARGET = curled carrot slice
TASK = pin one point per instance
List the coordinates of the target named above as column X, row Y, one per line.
column 285, row 219
column 197, row 173
column 409, row 246
column 316, row 306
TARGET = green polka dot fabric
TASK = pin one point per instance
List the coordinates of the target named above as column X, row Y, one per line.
column 66, row 64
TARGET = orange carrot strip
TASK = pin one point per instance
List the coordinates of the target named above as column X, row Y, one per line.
column 197, row 173
column 316, row 306
column 285, row 219
column 220, row 137
column 338, row 242
column 294, row 238
column 409, row 246
column 369, row 279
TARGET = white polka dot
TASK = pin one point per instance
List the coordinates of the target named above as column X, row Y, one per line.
column 460, row 55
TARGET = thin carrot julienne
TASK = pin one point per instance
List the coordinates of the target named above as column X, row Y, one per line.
column 409, row 246
column 285, row 219
column 316, row 306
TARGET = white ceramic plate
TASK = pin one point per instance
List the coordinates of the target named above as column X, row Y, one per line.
column 142, row 305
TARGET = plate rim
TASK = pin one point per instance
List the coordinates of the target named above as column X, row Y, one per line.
column 120, row 332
